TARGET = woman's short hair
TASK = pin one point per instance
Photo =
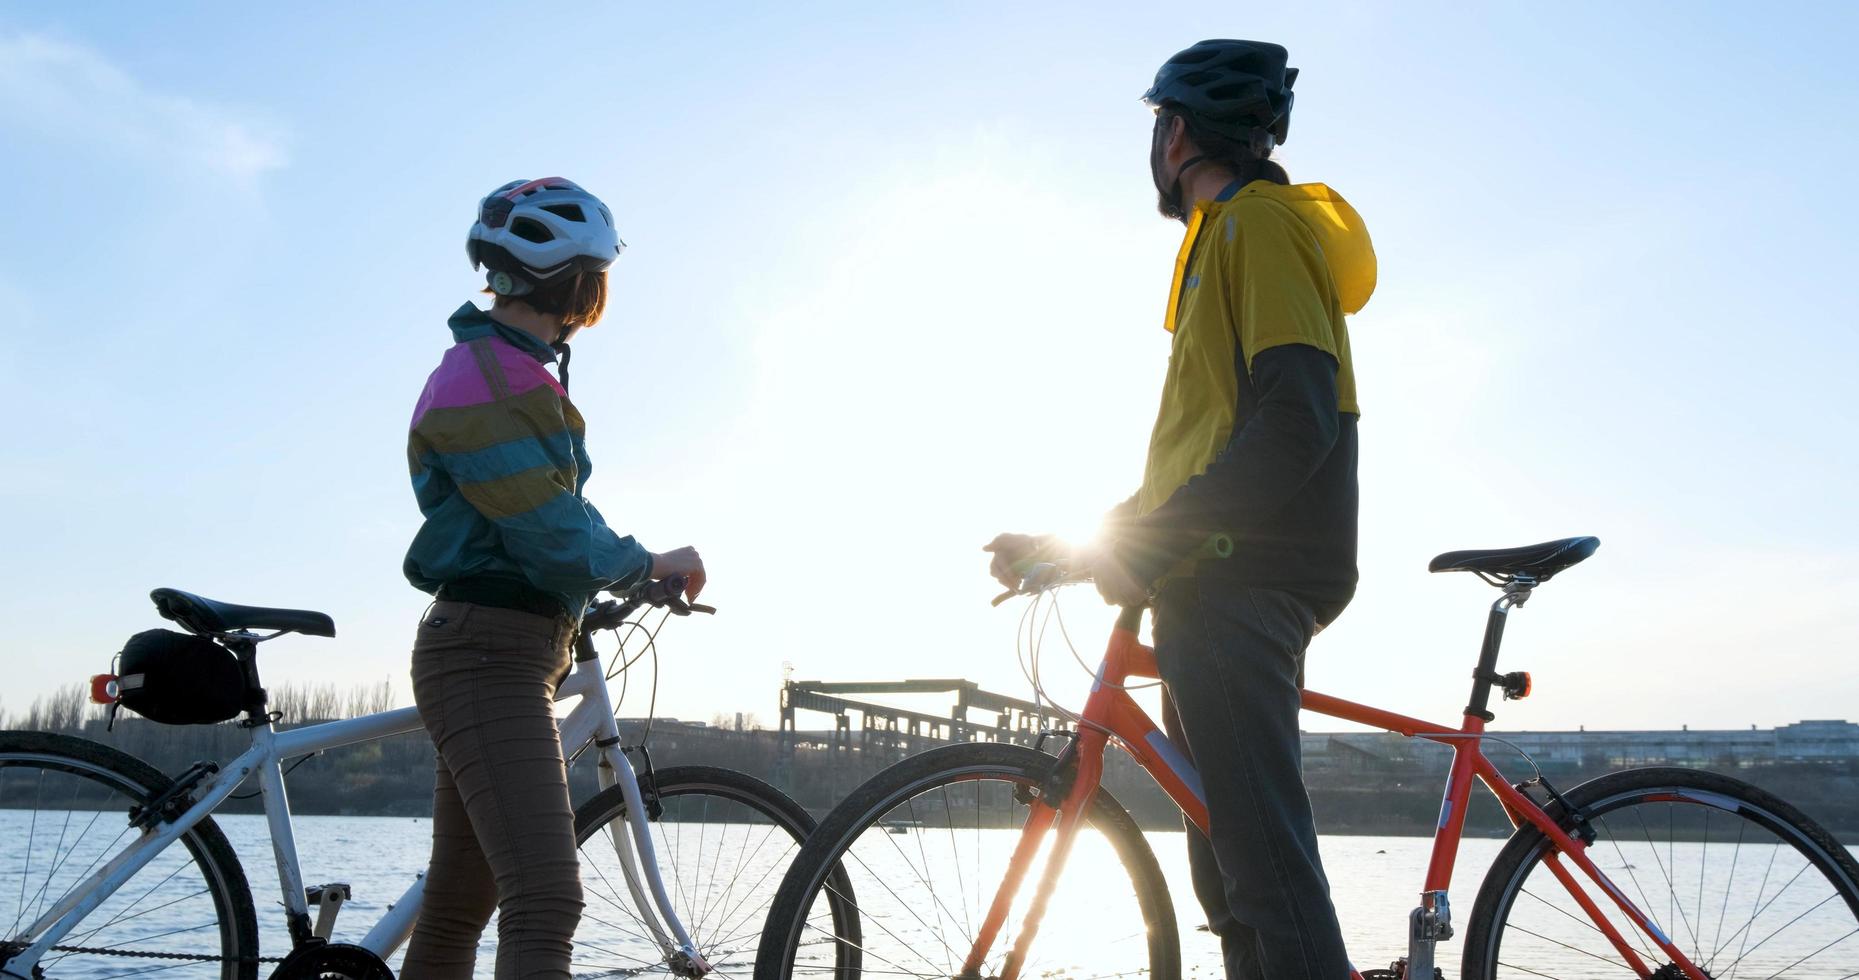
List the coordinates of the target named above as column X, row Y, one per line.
column 579, row 299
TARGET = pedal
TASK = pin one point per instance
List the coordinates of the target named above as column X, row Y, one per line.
column 1428, row 924
column 327, row 900
column 1398, row 971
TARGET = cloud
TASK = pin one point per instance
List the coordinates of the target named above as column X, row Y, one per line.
column 74, row 93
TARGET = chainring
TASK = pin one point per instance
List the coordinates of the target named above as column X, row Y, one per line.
column 332, row 961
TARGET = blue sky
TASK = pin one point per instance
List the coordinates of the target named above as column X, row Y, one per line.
column 895, row 284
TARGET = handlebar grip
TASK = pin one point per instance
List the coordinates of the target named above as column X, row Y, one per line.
column 664, row 590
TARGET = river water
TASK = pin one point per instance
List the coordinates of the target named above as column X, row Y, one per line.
column 1374, row 880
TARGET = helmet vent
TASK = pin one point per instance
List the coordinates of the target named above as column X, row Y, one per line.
column 570, row 211
column 531, row 230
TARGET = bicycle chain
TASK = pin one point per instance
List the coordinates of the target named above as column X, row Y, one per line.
column 147, row 955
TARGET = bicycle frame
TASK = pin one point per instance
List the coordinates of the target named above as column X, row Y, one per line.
column 1110, row 712
column 590, row 720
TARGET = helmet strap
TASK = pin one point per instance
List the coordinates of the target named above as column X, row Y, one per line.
column 562, row 350
column 1174, row 187
column 1193, row 161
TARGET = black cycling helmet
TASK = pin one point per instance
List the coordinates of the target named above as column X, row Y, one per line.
column 1230, row 86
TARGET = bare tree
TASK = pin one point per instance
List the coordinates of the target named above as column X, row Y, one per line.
column 63, row 710
column 366, row 699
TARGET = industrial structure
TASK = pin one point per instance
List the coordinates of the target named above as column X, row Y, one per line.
column 1013, row 719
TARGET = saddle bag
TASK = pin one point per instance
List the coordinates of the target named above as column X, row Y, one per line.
column 179, row 679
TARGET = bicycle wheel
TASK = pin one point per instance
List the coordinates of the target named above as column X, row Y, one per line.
column 64, row 813
column 723, row 838
column 1744, row 884
column 927, row 843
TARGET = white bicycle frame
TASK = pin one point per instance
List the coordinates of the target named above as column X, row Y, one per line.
column 591, row 720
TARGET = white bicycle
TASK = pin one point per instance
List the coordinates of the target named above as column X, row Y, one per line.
column 97, row 889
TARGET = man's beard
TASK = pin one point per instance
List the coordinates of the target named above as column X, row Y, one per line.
column 1167, row 198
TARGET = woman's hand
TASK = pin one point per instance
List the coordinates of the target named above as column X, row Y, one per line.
column 683, row 561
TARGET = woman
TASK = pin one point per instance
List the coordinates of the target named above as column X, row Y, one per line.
column 511, row 552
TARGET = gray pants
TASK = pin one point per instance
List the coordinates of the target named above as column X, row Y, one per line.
column 502, row 825
column 1232, row 658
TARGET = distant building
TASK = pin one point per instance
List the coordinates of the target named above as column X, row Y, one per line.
column 1820, row 740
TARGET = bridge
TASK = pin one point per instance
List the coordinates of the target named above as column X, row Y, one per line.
column 1012, row 719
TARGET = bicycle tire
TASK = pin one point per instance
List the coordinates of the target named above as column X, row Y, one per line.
column 133, row 782
column 1692, row 794
column 718, row 937
column 870, row 803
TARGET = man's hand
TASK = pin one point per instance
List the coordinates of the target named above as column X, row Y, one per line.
column 1114, row 581
column 683, row 561
column 1012, row 553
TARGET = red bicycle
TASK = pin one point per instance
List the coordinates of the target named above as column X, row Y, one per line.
column 1659, row 873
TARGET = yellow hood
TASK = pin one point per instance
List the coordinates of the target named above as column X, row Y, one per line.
column 1339, row 231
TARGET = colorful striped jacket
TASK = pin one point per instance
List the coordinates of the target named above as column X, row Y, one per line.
column 499, row 461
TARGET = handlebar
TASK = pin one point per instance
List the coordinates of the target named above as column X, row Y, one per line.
column 666, row 593
column 1041, row 576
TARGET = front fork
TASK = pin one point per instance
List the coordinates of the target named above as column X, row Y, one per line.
column 1075, row 776
column 635, row 851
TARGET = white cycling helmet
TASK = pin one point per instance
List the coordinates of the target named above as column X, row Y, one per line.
column 533, row 232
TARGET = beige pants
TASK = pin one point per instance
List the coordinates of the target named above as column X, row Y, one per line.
column 502, row 826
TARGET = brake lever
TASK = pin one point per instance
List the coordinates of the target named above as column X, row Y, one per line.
column 681, row 606
column 1038, row 578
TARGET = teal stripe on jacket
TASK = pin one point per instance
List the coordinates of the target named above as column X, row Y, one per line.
column 499, row 463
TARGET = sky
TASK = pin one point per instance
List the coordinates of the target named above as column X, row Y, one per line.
column 894, row 284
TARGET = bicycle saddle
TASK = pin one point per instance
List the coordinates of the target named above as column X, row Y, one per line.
column 1537, row 561
column 203, row 615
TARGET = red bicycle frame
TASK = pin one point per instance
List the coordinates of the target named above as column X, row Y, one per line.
column 1110, row 711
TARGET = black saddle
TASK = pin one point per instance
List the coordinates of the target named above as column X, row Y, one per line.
column 1535, row 563
column 207, row 616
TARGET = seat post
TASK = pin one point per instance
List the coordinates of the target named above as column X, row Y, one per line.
column 1515, row 594
column 256, row 697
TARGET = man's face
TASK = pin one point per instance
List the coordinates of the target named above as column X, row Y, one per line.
column 1164, row 149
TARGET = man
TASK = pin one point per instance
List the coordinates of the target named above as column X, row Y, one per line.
column 1255, row 440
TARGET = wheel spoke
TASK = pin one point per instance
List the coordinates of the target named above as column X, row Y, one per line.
column 1798, row 915
column 1573, row 948
column 1717, row 941
column 1645, row 903
column 960, row 816
column 1673, row 909
column 1813, row 954
column 723, row 841
column 1783, row 928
